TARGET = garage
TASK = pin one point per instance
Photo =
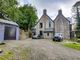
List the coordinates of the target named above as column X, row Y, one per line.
column 9, row 30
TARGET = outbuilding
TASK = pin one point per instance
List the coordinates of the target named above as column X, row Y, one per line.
column 9, row 30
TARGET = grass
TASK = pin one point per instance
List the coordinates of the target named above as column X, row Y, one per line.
column 6, row 55
column 15, row 54
column 72, row 45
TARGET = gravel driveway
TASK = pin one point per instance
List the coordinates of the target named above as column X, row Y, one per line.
column 46, row 50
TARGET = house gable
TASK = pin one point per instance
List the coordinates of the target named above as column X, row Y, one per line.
column 60, row 16
column 62, row 25
column 44, row 17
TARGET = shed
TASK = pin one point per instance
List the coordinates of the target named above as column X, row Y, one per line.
column 9, row 30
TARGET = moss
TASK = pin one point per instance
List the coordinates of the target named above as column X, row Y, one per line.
column 15, row 54
column 73, row 45
column 6, row 55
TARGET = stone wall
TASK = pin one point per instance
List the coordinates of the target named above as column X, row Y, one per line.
column 23, row 35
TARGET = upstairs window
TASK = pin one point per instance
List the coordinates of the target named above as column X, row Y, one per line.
column 41, row 25
column 49, row 24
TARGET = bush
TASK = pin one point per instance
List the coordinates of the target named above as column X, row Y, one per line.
column 75, row 40
column 78, row 40
column 2, row 43
column 77, row 34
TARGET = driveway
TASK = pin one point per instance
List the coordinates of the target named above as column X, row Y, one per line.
column 44, row 49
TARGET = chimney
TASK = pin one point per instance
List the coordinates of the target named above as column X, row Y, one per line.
column 60, row 12
column 45, row 11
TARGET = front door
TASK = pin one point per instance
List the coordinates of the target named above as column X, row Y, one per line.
column 41, row 33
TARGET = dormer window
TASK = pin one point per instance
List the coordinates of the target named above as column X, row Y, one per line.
column 41, row 25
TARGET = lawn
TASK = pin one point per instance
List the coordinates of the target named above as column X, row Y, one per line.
column 73, row 45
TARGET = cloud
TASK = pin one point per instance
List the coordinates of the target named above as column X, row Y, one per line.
column 52, row 6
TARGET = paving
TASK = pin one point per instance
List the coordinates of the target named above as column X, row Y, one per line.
column 45, row 49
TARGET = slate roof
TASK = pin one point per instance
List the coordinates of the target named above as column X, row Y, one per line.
column 8, row 22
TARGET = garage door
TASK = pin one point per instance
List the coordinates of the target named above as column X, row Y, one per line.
column 10, row 33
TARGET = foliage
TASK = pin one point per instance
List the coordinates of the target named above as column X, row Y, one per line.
column 25, row 15
column 6, row 5
column 76, row 11
column 73, row 45
column 2, row 43
column 29, row 16
column 78, row 40
column 77, row 33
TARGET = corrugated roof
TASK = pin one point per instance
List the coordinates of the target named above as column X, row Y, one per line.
column 8, row 22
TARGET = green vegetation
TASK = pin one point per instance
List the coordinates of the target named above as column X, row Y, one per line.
column 6, row 6
column 76, row 11
column 72, row 45
column 28, row 17
column 2, row 43
column 16, row 53
column 75, row 40
column 24, row 15
column 6, row 55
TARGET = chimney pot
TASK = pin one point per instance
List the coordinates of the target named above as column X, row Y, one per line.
column 60, row 11
column 44, row 11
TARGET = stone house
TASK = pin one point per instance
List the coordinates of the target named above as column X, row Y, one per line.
column 46, row 27
column 9, row 30
column 62, row 25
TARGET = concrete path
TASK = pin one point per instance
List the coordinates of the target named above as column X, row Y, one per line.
column 46, row 50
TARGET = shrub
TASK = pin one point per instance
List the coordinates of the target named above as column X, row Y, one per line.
column 2, row 43
column 77, row 34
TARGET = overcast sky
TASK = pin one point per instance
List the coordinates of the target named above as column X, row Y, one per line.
column 52, row 6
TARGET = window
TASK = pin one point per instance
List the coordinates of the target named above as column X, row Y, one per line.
column 49, row 24
column 41, row 25
column 47, row 34
column 34, row 33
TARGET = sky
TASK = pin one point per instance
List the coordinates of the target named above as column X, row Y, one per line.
column 52, row 6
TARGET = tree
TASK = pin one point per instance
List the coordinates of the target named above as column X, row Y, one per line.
column 29, row 17
column 6, row 5
column 25, row 15
column 76, row 10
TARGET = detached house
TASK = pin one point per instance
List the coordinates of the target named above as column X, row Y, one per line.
column 46, row 27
